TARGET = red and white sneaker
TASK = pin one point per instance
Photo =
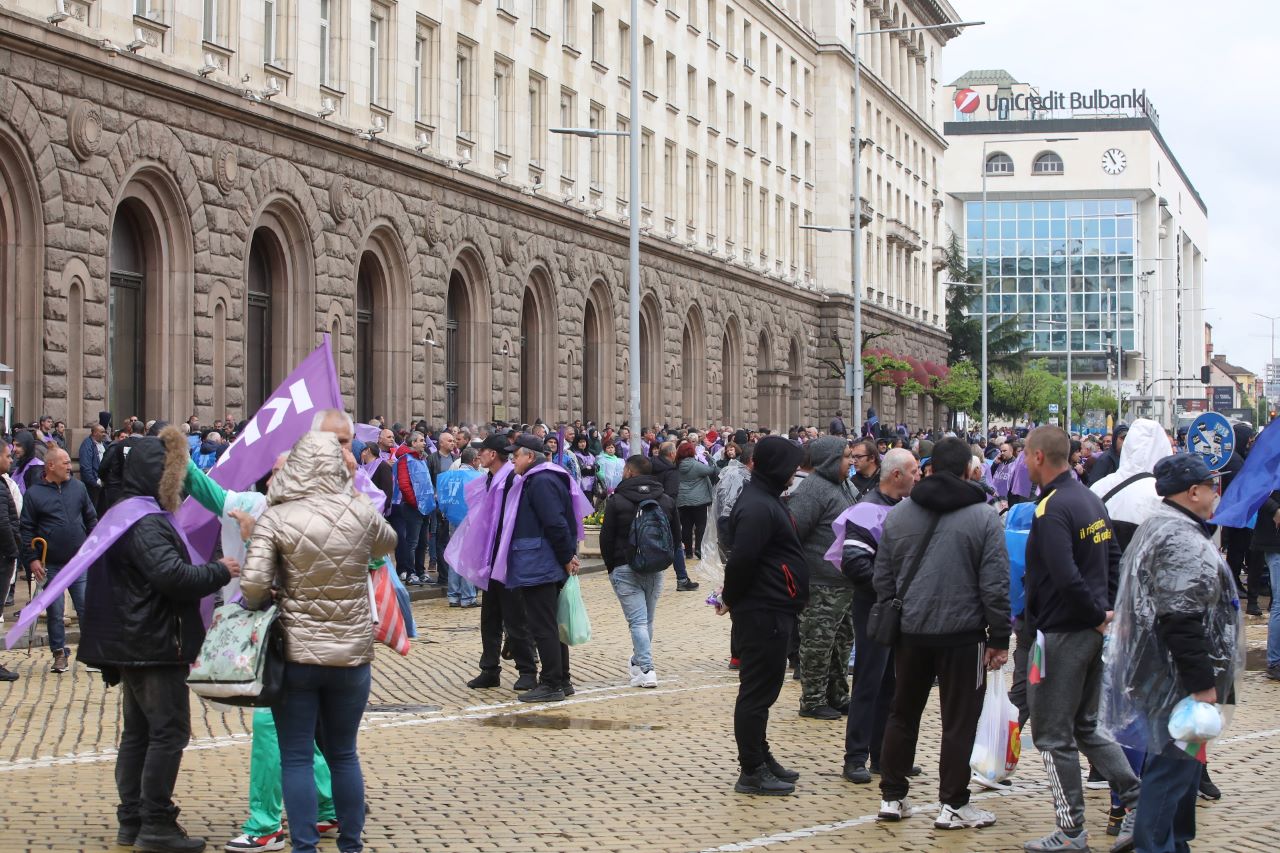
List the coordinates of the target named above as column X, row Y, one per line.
column 327, row 828
column 270, row 841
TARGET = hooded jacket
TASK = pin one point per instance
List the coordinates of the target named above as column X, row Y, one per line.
column 1109, row 462
column 24, row 470
column 142, row 602
column 60, row 513
column 766, row 567
column 1144, row 446
column 620, row 511
column 315, row 543
column 817, row 502
column 960, row 593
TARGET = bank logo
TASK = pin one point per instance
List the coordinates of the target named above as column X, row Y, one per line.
column 967, row 100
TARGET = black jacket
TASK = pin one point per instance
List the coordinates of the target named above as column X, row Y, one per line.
column 142, row 599
column 766, row 569
column 1106, row 465
column 62, row 514
column 1266, row 536
column 1073, row 559
column 8, row 526
column 111, row 472
column 669, row 476
column 620, row 511
column 862, row 485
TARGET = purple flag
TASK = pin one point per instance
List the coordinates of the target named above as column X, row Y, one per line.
column 368, row 433
column 21, row 479
column 868, row 516
column 274, row 428
column 110, row 527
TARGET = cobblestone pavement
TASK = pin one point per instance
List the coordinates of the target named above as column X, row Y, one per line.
column 613, row 769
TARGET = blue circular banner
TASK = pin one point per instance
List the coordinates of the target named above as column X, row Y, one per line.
column 1211, row 436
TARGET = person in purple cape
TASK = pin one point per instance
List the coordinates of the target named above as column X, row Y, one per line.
column 142, row 628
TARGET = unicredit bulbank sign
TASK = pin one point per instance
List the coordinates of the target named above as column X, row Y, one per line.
column 968, row 101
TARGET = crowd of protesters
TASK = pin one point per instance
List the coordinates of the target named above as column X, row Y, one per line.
column 819, row 533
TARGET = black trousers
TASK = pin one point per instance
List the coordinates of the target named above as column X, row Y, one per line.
column 540, row 604
column 873, row 685
column 962, row 680
column 762, row 638
column 157, row 727
column 693, row 526
column 504, row 608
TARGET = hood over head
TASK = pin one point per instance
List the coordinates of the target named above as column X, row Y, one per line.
column 1144, row 446
column 27, row 441
column 776, row 460
column 640, row 487
column 826, row 453
column 945, row 492
column 156, row 467
column 315, row 466
column 1243, row 432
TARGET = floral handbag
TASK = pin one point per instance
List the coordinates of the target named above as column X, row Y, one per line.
column 242, row 659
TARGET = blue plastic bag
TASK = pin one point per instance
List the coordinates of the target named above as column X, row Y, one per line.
column 571, row 614
column 1017, row 528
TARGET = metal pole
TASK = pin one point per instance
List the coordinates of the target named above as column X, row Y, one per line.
column 986, row 424
column 856, row 231
column 633, row 274
column 1069, row 410
column 1119, row 354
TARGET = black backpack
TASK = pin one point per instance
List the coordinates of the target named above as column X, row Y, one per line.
column 652, row 548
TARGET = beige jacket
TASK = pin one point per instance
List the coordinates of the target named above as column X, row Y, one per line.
column 315, row 542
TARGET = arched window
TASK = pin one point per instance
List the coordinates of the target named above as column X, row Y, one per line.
column 456, row 326
column 126, row 322
column 257, row 324
column 366, row 284
column 1048, row 163
column 999, row 163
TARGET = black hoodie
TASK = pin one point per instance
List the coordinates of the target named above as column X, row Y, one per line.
column 142, row 600
column 620, row 511
column 766, row 568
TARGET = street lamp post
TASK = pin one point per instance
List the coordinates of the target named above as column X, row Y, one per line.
column 856, row 229
column 986, row 424
column 633, row 210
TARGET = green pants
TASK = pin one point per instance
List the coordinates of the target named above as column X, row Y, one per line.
column 826, row 636
column 266, row 802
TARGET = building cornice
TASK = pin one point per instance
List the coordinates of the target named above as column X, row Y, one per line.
column 841, row 51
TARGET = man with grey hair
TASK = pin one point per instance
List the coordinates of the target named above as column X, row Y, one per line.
column 873, row 676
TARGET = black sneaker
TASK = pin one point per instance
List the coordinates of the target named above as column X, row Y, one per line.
column 822, row 712
column 127, row 834
column 1208, row 790
column 1252, row 609
column 843, row 708
column 1273, row 672
column 1095, row 782
column 1115, row 817
column 762, row 782
column 857, row 774
column 542, row 693
column 686, row 585
column 566, row 687
column 8, row 674
column 778, row 770
column 528, row 681
column 485, row 679
column 167, row 839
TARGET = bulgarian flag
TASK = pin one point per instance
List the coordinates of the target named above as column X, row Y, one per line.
column 1035, row 670
column 1195, row 750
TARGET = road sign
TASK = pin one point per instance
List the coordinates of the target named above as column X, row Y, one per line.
column 1211, row 436
column 1053, row 408
column 1223, row 397
column 1053, row 420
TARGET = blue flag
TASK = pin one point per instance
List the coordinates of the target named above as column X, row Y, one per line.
column 1259, row 477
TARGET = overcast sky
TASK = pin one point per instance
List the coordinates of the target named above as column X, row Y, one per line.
column 1204, row 70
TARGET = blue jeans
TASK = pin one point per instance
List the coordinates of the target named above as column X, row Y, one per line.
column 407, row 522
column 638, row 594
column 1273, row 623
column 1166, row 820
column 58, row 630
column 335, row 697
column 461, row 590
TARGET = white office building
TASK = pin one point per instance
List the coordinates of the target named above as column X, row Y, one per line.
column 1089, row 221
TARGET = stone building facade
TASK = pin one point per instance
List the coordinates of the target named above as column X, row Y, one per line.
column 173, row 244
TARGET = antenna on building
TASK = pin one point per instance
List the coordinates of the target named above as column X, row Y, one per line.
column 60, row 12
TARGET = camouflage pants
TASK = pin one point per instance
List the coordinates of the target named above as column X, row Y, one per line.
column 826, row 637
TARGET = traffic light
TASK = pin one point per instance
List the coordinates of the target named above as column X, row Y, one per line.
column 1204, row 374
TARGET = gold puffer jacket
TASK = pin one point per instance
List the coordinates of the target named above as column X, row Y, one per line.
column 314, row 543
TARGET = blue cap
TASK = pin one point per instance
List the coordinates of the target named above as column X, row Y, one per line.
column 1179, row 472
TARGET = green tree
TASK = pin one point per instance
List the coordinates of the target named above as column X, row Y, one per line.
column 1028, row 391
column 1005, row 343
column 959, row 392
column 1085, row 396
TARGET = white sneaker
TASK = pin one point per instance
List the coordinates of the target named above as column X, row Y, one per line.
column 967, row 816
column 634, row 670
column 637, row 680
column 270, row 841
column 649, row 679
column 893, row 810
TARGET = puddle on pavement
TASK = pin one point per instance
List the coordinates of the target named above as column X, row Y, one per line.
column 1255, row 660
column 542, row 721
column 402, row 709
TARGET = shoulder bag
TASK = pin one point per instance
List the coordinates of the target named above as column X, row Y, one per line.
column 885, row 620
column 242, row 659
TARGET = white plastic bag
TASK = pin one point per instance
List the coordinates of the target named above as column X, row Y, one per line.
column 1194, row 722
column 998, row 742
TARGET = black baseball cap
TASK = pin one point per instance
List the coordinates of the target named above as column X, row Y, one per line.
column 1179, row 472
column 494, row 441
column 528, row 442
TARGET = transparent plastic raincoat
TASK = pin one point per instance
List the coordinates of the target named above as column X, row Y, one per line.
column 1169, row 569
